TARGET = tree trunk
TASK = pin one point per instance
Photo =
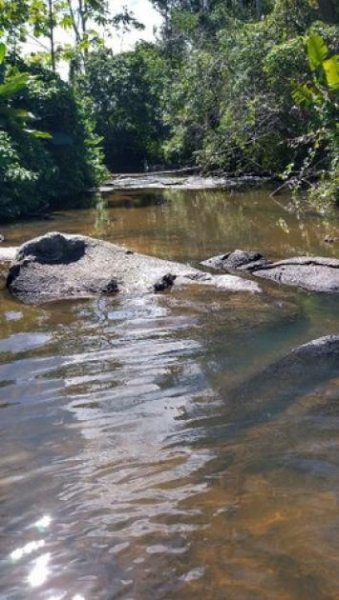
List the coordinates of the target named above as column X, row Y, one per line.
column 258, row 9
column 51, row 34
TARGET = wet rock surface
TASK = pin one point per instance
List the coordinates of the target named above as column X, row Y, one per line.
column 59, row 266
column 317, row 274
column 7, row 255
column 236, row 260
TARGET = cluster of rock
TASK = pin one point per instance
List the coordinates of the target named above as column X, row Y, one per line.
column 316, row 274
column 60, row 266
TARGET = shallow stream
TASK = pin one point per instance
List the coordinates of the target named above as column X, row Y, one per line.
column 124, row 473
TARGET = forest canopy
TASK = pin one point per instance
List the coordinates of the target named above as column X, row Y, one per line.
column 235, row 86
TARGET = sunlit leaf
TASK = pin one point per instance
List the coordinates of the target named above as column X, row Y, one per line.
column 42, row 135
column 2, row 52
column 66, row 22
column 317, row 50
column 14, row 85
column 331, row 68
column 20, row 113
column 13, row 114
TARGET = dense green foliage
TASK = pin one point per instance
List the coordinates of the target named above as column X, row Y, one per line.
column 53, row 165
column 218, row 91
column 239, row 86
column 230, row 102
column 320, row 97
column 126, row 91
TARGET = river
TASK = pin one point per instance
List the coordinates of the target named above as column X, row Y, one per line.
column 123, row 474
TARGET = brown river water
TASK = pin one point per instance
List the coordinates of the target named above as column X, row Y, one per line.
column 123, row 474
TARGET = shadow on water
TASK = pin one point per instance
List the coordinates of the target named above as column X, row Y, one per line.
column 148, row 448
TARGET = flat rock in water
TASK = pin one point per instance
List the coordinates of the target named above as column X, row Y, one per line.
column 317, row 274
column 59, row 266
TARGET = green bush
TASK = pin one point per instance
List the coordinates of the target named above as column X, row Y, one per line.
column 40, row 172
column 73, row 147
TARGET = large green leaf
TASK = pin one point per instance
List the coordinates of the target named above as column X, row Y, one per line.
column 317, row 50
column 13, row 85
column 41, row 135
column 2, row 52
column 16, row 114
column 331, row 68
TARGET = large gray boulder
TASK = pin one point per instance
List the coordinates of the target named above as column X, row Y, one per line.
column 59, row 266
column 317, row 274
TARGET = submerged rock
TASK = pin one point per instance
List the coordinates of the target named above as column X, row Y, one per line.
column 317, row 274
column 300, row 370
column 269, row 392
column 59, row 266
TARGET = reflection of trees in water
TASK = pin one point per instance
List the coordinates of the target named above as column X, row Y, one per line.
column 251, row 219
column 208, row 219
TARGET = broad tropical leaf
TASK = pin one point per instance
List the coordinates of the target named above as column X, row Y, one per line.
column 317, row 50
column 13, row 85
column 331, row 68
column 42, row 135
column 14, row 113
